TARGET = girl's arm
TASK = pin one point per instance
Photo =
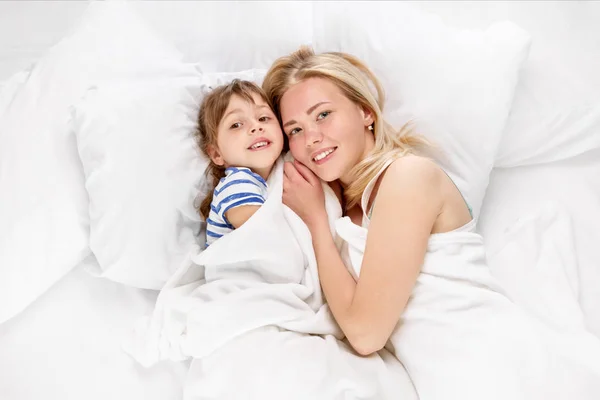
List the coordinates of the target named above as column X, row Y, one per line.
column 407, row 206
column 237, row 216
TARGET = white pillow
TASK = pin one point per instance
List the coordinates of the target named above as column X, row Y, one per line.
column 142, row 167
column 226, row 37
column 556, row 135
column 457, row 84
column 144, row 172
column 43, row 203
column 213, row 79
column 556, row 110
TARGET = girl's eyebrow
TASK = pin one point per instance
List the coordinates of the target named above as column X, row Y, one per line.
column 231, row 112
column 308, row 112
column 240, row 110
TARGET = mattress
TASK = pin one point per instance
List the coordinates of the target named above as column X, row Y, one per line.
column 570, row 185
column 67, row 345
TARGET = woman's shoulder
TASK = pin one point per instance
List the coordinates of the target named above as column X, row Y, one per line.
column 410, row 191
column 414, row 169
column 412, row 177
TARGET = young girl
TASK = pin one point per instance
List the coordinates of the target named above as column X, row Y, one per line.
column 240, row 134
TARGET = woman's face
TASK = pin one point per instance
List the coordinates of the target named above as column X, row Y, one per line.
column 327, row 132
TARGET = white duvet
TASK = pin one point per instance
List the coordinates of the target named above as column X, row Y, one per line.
column 249, row 311
column 256, row 325
column 461, row 337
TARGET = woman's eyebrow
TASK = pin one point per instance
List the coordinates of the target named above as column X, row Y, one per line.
column 308, row 112
column 292, row 122
column 311, row 109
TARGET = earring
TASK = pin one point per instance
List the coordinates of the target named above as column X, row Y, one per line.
column 371, row 127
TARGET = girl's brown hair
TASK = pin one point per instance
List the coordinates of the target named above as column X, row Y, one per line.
column 211, row 113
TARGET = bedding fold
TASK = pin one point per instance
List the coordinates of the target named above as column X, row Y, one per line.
column 256, row 290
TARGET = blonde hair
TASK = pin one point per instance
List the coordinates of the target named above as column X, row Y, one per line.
column 353, row 78
column 211, row 113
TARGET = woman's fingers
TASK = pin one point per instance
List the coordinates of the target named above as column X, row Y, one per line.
column 306, row 173
column 291, row 172
column 286, row 168
column 286, row 183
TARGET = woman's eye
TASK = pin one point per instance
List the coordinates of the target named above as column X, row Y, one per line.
column 294, row 131
column 323, row 115
column 235, row 125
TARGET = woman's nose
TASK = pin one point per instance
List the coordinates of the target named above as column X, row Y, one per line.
column 313, row 137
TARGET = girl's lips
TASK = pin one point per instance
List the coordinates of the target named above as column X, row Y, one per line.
column 259, row 140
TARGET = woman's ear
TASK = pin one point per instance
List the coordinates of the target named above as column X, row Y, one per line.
column 367, row 115
column 215, row 155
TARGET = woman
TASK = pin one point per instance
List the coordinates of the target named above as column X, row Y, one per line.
column 423, row 286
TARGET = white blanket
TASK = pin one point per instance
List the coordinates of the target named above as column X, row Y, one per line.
column 256, row 325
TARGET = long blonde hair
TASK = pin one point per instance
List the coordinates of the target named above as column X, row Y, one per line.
column 211, row 113
column 353, row 78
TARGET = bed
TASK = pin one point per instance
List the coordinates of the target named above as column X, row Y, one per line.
column 538, row 217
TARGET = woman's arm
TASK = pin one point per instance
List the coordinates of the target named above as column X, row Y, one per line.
column 408, row 204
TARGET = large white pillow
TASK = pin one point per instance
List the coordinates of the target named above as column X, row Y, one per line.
column 456, row 84
column 556, row 110
column 43, row 203
column 142, row 170
column 225, row 36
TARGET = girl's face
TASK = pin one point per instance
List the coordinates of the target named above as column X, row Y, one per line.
column 327, row 132
column 248, row 136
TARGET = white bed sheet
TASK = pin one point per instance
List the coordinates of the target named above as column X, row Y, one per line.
column 67, row 346
column 571, row 184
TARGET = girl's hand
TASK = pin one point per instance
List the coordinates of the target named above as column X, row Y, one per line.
column 303, row 193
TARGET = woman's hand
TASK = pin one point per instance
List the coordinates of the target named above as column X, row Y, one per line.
column 303, row 193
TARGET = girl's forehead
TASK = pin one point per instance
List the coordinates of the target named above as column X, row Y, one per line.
column 238, row 102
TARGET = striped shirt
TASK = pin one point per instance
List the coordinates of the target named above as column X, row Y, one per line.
column 239, row 187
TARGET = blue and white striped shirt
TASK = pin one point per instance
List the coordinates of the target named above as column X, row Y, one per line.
column 239, row 187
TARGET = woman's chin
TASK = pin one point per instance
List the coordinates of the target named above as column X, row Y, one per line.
column 326, row 175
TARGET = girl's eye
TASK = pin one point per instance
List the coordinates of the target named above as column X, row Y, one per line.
column 323, row 115
column 235, row 125
column 264, row 119
column 294, row 131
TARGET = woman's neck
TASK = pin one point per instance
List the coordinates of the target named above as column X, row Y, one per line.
column 369, row 145
column 338, row 189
